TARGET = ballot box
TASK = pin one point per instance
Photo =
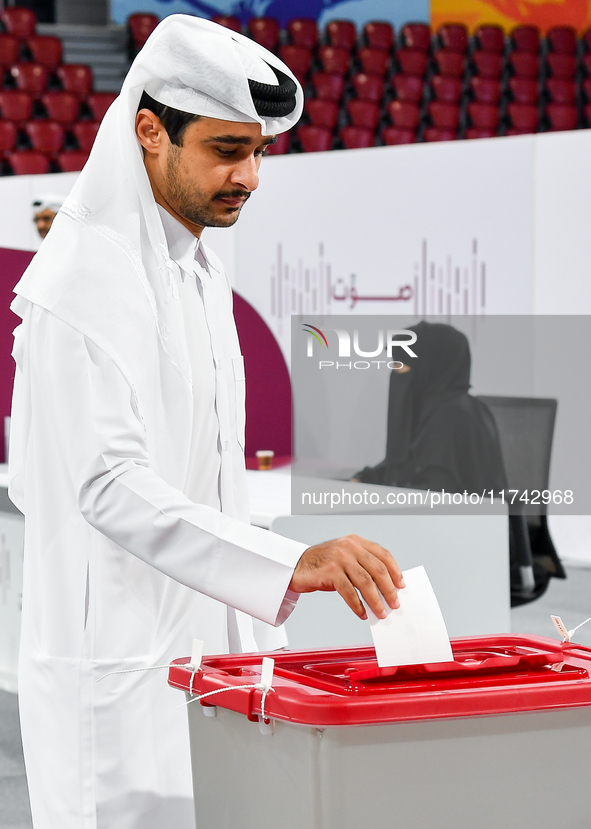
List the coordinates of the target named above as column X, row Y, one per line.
column 500, row 737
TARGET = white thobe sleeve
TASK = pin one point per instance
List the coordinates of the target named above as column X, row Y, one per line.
column 119, row 494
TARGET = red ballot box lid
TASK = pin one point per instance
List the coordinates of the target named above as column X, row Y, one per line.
column 489, row 675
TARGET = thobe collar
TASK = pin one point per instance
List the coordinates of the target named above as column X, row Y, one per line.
column 183, row 247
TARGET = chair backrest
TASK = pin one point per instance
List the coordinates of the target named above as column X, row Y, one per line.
column 334, row 59
column 561, row 65
column 417, row 36
column 141, row 25
column 61, row 106
column 490, row 38
column 314, row 139
column 488, row 64
column 46, row 49
column 322, row 113
column 342, row 34
column 526, row 39
column 363, row 113
column 395, row 135
column 449, row 62
column 561, row 91
column 303, row 31
column 30, row 77
column 9, row 49
column 85, row 132
column 265, row 30
column 298, row 58
column 229, row 21
column 486, row 90
column 19, row 21
column 328, row 85
column 379, row 35
column 447, row 89
column 99, row 103
column 281, row 146
column 454, row 36
column 484, row 116
column 76, row 78
column 562, row 39
column 524, row 90
column 376, row 61
column 29, row 162
column 404, row 114
column 356, row 137
column 15, row 105
column 444, row 116
column 412, row 62
column 526, row 429
column 562, row 117
column 408, row 88
column 524, row 116
column 7, row 136
column 525, row 64
column 368, row 87
column 72, row 161
column 45, row 136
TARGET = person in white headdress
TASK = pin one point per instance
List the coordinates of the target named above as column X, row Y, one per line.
column 126, row 452
column 45, row 208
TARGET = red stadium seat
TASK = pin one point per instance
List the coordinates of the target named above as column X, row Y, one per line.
column 368, row 87
column 404, row 115
column 585, row 88
column 393, row 135
column 298, row 58
column 72, row 160
column 412, row 62
column 141, row 26
column 453, row 36
column 525, row 64
column 76, row 78
column 446, row 89
column 444, row 116
column 586, row 40
column 229, row 21
column 281, row 146
column 342, row 34
column 487, row 64
column 328, row 85
column 561, row 92
column 524, row 90
column 303, row 31
column 357, row 138
column 322, row 113
column 490, row 38
column 363, row 114
column 19, row 21
column 524, row 118
column 99, row 103
column 85, row 132
column 9, row 49
column 30, row 77
column 408, row 88
column 8, row 134
column 587, row 114
column 562, row 39
column 379, row 35
column 526, row 39
column 586, row 62
column 561, row 65
column 484, row 116
column 265, row 30
column 46, row 50
column 561, row 117
column 417, row 36
column 63, row 107
column 435, row 134
column 450, row 63
column 476, row 132
column 45, row 136
column 15, row 105
column 334, row 59
column 486, row 90
column 314, row 139
column 376, row 61
column 28, row 162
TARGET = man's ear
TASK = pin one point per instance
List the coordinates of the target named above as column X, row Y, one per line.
column 150, row 132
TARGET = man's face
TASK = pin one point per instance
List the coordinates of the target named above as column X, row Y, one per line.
column 43, row 221
column 207, row 180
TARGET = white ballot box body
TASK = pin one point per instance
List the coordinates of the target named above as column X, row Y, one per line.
column 484, row 741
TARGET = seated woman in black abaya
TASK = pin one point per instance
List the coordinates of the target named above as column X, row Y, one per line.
column 439, row 436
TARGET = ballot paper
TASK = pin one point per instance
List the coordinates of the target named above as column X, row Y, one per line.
column 415, row 633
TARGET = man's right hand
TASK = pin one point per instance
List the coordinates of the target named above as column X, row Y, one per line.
column 348, row 565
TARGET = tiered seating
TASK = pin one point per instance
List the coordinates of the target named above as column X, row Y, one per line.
column 49, row 114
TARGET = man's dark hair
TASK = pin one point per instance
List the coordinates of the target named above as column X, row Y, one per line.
column 173, row 120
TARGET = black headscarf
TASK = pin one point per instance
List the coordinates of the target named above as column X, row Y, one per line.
column 439, row 436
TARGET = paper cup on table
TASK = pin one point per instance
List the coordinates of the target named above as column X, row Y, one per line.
column 265, row 458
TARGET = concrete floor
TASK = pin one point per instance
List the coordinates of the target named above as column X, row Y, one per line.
column 570, row 599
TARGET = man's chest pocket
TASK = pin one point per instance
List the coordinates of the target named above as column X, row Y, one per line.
column 240, row 398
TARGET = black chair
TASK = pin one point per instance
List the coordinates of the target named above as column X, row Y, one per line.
column 526, row 429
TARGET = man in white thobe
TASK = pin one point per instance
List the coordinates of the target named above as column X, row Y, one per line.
column 127, row 440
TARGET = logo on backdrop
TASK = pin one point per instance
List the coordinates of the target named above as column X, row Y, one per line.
column 395, row 343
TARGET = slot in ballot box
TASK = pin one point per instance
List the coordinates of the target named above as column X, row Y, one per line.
column 498, row 738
